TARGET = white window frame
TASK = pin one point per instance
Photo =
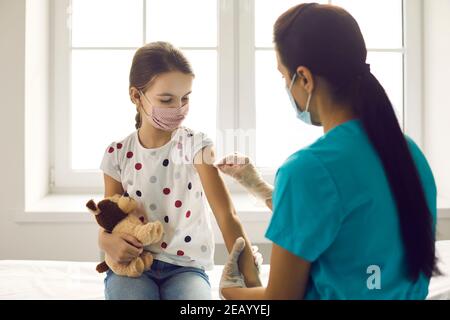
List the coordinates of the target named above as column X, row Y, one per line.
column 412, row 70
column 236, row 107
column 63, row 179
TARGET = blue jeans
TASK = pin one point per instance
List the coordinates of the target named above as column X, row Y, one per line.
column 164, row 281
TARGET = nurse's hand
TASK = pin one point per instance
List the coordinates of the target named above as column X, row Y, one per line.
column 258, row 258
column 231, row 276
column 241, row 168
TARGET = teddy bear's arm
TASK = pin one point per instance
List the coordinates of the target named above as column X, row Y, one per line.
column 132, row 269
column 146, row 233
column 149, row 233
column 126, row 226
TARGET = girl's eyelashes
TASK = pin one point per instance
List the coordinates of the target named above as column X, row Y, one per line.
column 171, row 100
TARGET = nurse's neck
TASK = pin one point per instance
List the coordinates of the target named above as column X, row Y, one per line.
column 331, row 113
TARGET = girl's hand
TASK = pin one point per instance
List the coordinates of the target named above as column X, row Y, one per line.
column 241, row 168
column 121, row 248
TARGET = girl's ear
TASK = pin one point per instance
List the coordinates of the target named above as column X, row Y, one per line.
column 134, row 96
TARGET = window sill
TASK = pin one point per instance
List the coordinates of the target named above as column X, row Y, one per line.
column 443, row 205
column 71, row 208
column 64, row 208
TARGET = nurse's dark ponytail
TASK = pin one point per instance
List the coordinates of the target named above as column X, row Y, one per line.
column 328, row 41
column 373, row 108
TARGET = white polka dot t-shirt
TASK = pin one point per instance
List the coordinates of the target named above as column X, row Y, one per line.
column 167, row 186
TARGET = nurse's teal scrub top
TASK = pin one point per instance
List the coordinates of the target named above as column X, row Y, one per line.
column 332, row 206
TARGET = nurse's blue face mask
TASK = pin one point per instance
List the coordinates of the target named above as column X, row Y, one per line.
column 305, row 116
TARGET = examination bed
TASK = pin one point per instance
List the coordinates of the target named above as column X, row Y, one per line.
column 30, row 279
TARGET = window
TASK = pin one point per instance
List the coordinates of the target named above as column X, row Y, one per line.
column 238, row 97
column 98, row 45
column 385, row 45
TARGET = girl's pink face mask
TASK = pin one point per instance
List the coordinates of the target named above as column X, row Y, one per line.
column 165, row 118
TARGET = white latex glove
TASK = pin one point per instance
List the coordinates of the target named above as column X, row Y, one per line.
column 231, row 275
column 257, row 257
column 241, row 168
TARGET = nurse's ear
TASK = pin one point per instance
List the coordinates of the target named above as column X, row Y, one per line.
column 306, row 79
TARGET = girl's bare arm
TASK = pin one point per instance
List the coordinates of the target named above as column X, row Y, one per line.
column 221, row 204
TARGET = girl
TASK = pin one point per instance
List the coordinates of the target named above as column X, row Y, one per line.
column 166, row 168
column 354, row 214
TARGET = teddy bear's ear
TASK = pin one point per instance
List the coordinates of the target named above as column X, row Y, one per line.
column 115, row 198
column 126, row 203
column 93, row 207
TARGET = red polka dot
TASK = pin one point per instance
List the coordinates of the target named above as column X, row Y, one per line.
column 141, row 218
column 111, row 150
column 129, row 154
column 188, row 214
column 119, row 146
column 180, row 145
column 138, row 166
column 163, row 245
column 180, row 253
column 166, row 190
column 178, row 203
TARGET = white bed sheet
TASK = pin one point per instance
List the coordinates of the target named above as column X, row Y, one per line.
column 65, row 280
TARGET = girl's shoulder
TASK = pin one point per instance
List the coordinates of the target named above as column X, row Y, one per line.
column 115, row 153
column 191, row 142
column 122, row 148
column 127, row 142
column 189, row 133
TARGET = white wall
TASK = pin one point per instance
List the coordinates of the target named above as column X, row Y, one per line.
column 37, row 102
column 72, row 241
column 437, row 95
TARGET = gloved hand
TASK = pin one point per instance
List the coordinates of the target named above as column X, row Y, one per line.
column 257, row 257
column 231, row 276
column 241, row 168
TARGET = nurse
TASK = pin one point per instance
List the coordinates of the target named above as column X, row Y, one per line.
column 354, row 214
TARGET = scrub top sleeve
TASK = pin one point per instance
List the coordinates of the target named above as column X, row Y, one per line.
column 110, row 163
column 307, row 211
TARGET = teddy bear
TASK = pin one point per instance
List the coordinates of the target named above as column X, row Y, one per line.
column 113, row 214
